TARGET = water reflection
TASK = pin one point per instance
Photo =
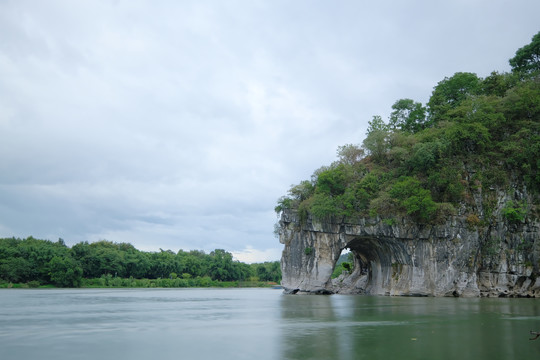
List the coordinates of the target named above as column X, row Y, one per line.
column 360, row 327
column 259, row 323
column 309, row 329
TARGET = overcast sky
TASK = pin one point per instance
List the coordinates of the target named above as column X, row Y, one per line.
column 178, row 124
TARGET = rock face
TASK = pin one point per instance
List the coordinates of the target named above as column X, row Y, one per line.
column 400, row 257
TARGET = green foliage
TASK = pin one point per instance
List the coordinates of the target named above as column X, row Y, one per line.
column 28, row 259
column 377, row 137
column 267, row 271
column 324, row 207
column 308, row 251
column 408, row 116
column 465, row 136
column 222, row 266
column 383, row 205
column 527, row 58
column 497, row 84
column 345, row 263
column 34, row 284
column 450, row 92
column 302, row 191
column 65, row 272
column 284, row 202
column 426, row 155
column 350, row 154
column 102, row 264
column 389, row 222
column 514, row 213
column 413, row 199
column 521, row 103
column 370, row 183
column 297, row 194
column 338, row 270
column 204, row 281
column 333, row 181
column 16, row 269
column 446, row 183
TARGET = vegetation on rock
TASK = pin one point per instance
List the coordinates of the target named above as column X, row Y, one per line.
column 474, row 138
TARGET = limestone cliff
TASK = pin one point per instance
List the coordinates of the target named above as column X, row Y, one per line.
column 454, row 189
column 401, row 257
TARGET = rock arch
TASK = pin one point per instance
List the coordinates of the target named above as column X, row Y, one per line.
column 406, row 258
column 380, row 263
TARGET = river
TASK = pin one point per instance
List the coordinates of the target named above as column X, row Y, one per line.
column 162, row 324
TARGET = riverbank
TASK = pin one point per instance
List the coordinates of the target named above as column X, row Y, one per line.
column 116, row 282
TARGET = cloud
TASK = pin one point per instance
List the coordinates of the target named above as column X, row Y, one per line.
column 250, row 255
column 178, row 124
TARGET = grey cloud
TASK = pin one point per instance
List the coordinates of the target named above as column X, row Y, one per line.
column 178, row 124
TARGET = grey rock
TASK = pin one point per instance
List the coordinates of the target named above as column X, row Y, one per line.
column 411, row 259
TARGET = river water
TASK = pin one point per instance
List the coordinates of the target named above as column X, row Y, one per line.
column 259, row 324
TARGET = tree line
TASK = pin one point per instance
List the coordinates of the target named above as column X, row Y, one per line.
column 104, row 263
column 473, row 137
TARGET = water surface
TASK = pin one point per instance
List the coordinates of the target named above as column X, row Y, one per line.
column 259, row 324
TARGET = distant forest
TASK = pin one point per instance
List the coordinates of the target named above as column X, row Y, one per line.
column 33, row 263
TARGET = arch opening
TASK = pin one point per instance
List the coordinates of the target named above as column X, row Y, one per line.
column 377, row 263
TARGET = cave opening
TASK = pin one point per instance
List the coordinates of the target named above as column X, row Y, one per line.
column 375, row 262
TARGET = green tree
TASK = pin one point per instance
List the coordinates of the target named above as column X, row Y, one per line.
column 16, row 269
column 527, row 58
column 350, row 154
column 333, row 181
column 27, row 259
column 376, row 141
column 425, row 156
column 221, row 266
column 242, row 271
column 498, row 84
column 262, row 273
column 268, row 271
column 109, row 264
column 408, row 116
column 274, row 271
column 163, row 263
column 195, row 262
column 301, row 191
column 514, row 213
column 521, row 103
column 101, row 258
column 446, row 184
column 450, row 92
column 470, row 137
column 65, row 272
column 324, row 207
column 415, row 200
column 136, row 264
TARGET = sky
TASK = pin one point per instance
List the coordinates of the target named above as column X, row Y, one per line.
column 178, row 124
